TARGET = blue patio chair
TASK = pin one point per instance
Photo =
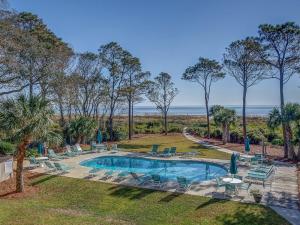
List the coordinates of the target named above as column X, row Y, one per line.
column 156, row 180
column 52, row 155
column 154, row 149
column 62, row 167
column 183, row 183
column 173, row 151
column 165, row 153
column 142, row 179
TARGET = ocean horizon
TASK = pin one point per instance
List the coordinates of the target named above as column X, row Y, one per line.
column 251, row 110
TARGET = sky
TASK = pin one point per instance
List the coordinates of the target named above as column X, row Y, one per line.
column 170, row 35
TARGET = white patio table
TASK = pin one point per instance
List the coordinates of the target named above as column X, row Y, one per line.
column 231, row 183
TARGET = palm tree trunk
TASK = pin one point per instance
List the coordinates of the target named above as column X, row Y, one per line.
column 224, row 134
column 20, row 159
column 298, row 154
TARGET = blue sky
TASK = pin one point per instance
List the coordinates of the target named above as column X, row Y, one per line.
column 170, row 35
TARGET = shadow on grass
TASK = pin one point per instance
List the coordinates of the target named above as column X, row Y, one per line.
column 170, row 197
column 134, row 146
column 44, row 179
column 130, row 193
column 247, row 216
column 211, row 202
column 7, row 194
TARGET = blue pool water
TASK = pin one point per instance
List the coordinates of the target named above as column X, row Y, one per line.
column 168, row 169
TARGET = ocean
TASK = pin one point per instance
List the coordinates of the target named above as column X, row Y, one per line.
column 199, row 110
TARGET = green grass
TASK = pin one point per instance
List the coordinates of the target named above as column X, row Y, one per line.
column 63, row 200
column 144, row 143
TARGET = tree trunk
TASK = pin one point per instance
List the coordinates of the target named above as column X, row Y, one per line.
column 166, row 123
column 291, row 152
column 61, row 111
column 244, row 113
column 20, row 159
column 207, row 116
column 110, row 128
column 298, row 153
column 129, row 120
column 224, row 134
column 284, row 123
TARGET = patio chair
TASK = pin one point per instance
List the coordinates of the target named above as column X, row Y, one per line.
column 69, row 152
column 230, row 189
column 114, row 148
column 165, row 153
column 220, row 183
column 93, row 172
column 78, row 150
column 50, row 166
column 108, row 174
column 156, row 180
column 141, row 180
column 245, row 186
column 123, row 174
column 183, row 183
column 53, row 156
column 154, row 150
column 62, row 167
column 173, row 151
column 33, row 163
column 101, row 147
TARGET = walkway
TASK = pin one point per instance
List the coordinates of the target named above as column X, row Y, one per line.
column 192, row 138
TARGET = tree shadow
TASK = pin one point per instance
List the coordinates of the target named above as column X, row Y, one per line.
column 134, row 146
column 246, row 216
column 171, row 197
column 211, row 202
column 130, row 193
column 42, row 180
column 7, row 194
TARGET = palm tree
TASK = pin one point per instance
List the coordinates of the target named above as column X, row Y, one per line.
column 223, row 117
column 290, row 115
column 82, row 128
column 26, row 119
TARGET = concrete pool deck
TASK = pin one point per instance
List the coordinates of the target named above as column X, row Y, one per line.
column 283, row 191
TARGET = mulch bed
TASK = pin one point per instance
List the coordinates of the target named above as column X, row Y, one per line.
column 8, row 187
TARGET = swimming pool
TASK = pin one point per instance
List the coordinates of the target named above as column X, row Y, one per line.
column 169, row 169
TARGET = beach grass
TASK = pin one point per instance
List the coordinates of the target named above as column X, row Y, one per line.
column 62, row 200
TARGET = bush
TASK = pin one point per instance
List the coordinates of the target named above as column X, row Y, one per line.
column 6, row 148
column 277, row 141
column 216, row 133
column 31, row 152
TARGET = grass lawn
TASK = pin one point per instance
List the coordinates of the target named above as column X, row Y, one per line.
column 144, row 143
column 62, row 200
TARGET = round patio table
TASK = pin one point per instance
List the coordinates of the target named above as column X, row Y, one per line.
column 231, row 182
column 247, row 156
column 42, row 158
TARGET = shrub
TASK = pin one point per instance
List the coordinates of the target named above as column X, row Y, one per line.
column 6, row 148
column 277, row 141
column 31, row 152
column 216, row 133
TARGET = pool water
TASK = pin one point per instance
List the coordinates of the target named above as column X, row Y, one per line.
column 168, row 169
